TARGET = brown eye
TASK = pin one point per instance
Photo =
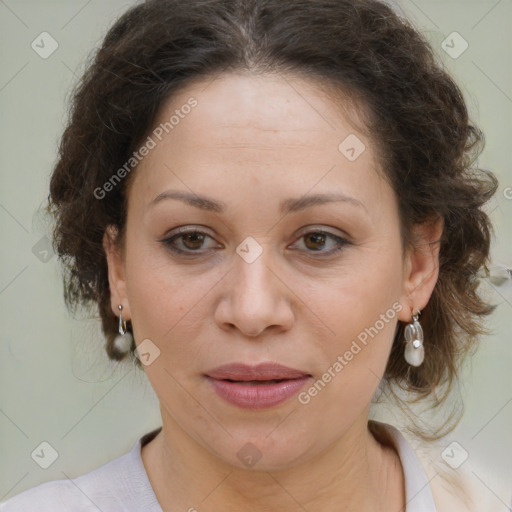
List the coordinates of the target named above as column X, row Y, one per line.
column 187, row 242
column 193, row 240
column 316, row 241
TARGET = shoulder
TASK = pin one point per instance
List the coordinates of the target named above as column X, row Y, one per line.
column 441, row 475
column 457, row 479
column 55, row 496
column 85, row 493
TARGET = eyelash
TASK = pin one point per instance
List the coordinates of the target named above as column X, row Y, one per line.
column 168, row 242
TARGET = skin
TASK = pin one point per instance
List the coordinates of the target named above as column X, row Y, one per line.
column 251, row 142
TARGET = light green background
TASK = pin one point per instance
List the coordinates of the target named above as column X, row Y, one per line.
column 56, row 384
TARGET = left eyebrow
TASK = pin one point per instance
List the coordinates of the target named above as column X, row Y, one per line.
column 295, row 205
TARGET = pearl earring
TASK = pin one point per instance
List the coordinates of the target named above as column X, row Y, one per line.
column 123, row 341
column 414, row 352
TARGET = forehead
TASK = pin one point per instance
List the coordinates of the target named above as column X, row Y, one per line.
column 270, row 104
column 271, row 131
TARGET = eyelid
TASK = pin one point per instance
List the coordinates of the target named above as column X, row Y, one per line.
column 323, row 229
column 183, row 230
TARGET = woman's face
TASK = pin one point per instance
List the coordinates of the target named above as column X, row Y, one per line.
column 265, row 274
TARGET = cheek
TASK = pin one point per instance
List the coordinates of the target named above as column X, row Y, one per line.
column 355, row 299
column 360, row 309
column 354, row 358
column 154, row 304
column 166, row 300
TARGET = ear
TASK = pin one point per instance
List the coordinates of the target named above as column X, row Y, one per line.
column 116, row 273
column 421, row 267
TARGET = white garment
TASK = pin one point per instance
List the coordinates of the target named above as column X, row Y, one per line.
column 122, row 485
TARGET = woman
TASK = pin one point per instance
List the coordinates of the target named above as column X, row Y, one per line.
column 273, row 206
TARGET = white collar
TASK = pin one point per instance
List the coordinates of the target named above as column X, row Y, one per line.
column 418, row 494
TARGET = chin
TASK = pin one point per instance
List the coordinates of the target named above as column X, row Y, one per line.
column 263, row 451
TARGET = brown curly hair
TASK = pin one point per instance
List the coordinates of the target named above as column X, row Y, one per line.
column 361, row 48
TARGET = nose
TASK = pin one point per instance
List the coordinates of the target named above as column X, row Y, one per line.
column 255, row 298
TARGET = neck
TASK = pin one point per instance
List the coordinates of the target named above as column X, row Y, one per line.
column 356, row 472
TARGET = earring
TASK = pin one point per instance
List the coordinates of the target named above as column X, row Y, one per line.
column 414, row 351
column 122, row 323
column 123, row 341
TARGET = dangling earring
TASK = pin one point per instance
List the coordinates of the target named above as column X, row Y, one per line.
column 414, row 351
column 123, row 341
column 122, row 323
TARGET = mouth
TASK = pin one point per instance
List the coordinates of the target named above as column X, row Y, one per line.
column 256, row 387
column 240, row 372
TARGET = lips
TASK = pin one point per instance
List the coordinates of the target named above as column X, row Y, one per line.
column 256, row 387
column 240, row 372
